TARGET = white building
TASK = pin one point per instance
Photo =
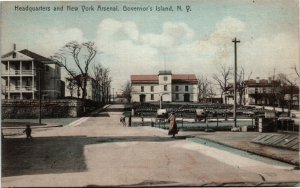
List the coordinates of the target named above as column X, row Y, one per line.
column 170, row 87
column 92, row 91
column 20, row 76
column 263, row 92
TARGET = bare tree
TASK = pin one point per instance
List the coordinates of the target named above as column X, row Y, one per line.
column 297, row 72
column 82, row 56
column 241, row 87
column 287, row 87
column 127, row 91
column 103, row 80
column 222, row 78
column 71, row 85
column 205, row 88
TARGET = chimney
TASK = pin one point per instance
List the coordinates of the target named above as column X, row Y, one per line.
column 257, row 79
column 270, row 80
column 14, row 51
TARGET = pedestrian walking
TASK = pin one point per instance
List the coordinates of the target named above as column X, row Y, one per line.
column 28, row 132
column 173, row 125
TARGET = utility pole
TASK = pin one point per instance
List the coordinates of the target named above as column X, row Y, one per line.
column 235, row 73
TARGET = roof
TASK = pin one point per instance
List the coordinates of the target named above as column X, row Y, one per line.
column 165, row 72
column 26, row 55
column 184, row 78
column 34, row 55
column 82, row 76
column 153, row 79
column 144, row 79
column 14, row 55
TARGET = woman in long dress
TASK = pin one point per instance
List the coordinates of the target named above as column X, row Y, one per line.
column 173, row 125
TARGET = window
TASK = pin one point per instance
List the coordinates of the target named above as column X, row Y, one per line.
column 165, row 87
column 186, row 88
column 17, row 83
column 176, row 88
column 152, row 88
column 142, row 88
column 47, row 68
column 177, row 96
column 165, row 78
column 152, row 97
column 6, row 66
column 27, row 82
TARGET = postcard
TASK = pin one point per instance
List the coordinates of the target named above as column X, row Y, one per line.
column 150, row 93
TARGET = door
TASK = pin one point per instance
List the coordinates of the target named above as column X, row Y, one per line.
column 142, row 98
column 186, row 97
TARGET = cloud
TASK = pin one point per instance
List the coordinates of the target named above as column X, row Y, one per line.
column 53, row 39
column 219, row 46
column 126, row 50
column 173, row 34
column 262, row 55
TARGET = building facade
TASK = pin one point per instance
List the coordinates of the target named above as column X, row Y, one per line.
column 263, row 92
column 24, row 73
column 165, row 86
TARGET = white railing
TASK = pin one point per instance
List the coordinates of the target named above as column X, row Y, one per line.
column 18, row 72
column 24, row 88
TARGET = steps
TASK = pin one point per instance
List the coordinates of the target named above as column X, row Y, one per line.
column 286, row 141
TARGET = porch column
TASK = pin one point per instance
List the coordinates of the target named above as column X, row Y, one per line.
column 8, row 67
column 8, row 80
column 32, row 68
column 32, row 83
column 21, row 82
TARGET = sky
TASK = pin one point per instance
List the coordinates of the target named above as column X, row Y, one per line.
column 143, row 42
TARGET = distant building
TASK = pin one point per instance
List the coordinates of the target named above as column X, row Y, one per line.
column 166, row 86
column 92, row 91
column 120, row 99
column 20, row 76
column 263, row 92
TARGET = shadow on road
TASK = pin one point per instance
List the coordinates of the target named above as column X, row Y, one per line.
column 44, row 155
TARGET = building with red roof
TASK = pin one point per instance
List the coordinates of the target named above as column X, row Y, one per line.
column 164, row 86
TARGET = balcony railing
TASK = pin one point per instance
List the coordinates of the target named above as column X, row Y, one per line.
column 18, row 72
column 18, row 88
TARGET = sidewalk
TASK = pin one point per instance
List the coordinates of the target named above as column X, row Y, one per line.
column 15, row 127
column 242, row 141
